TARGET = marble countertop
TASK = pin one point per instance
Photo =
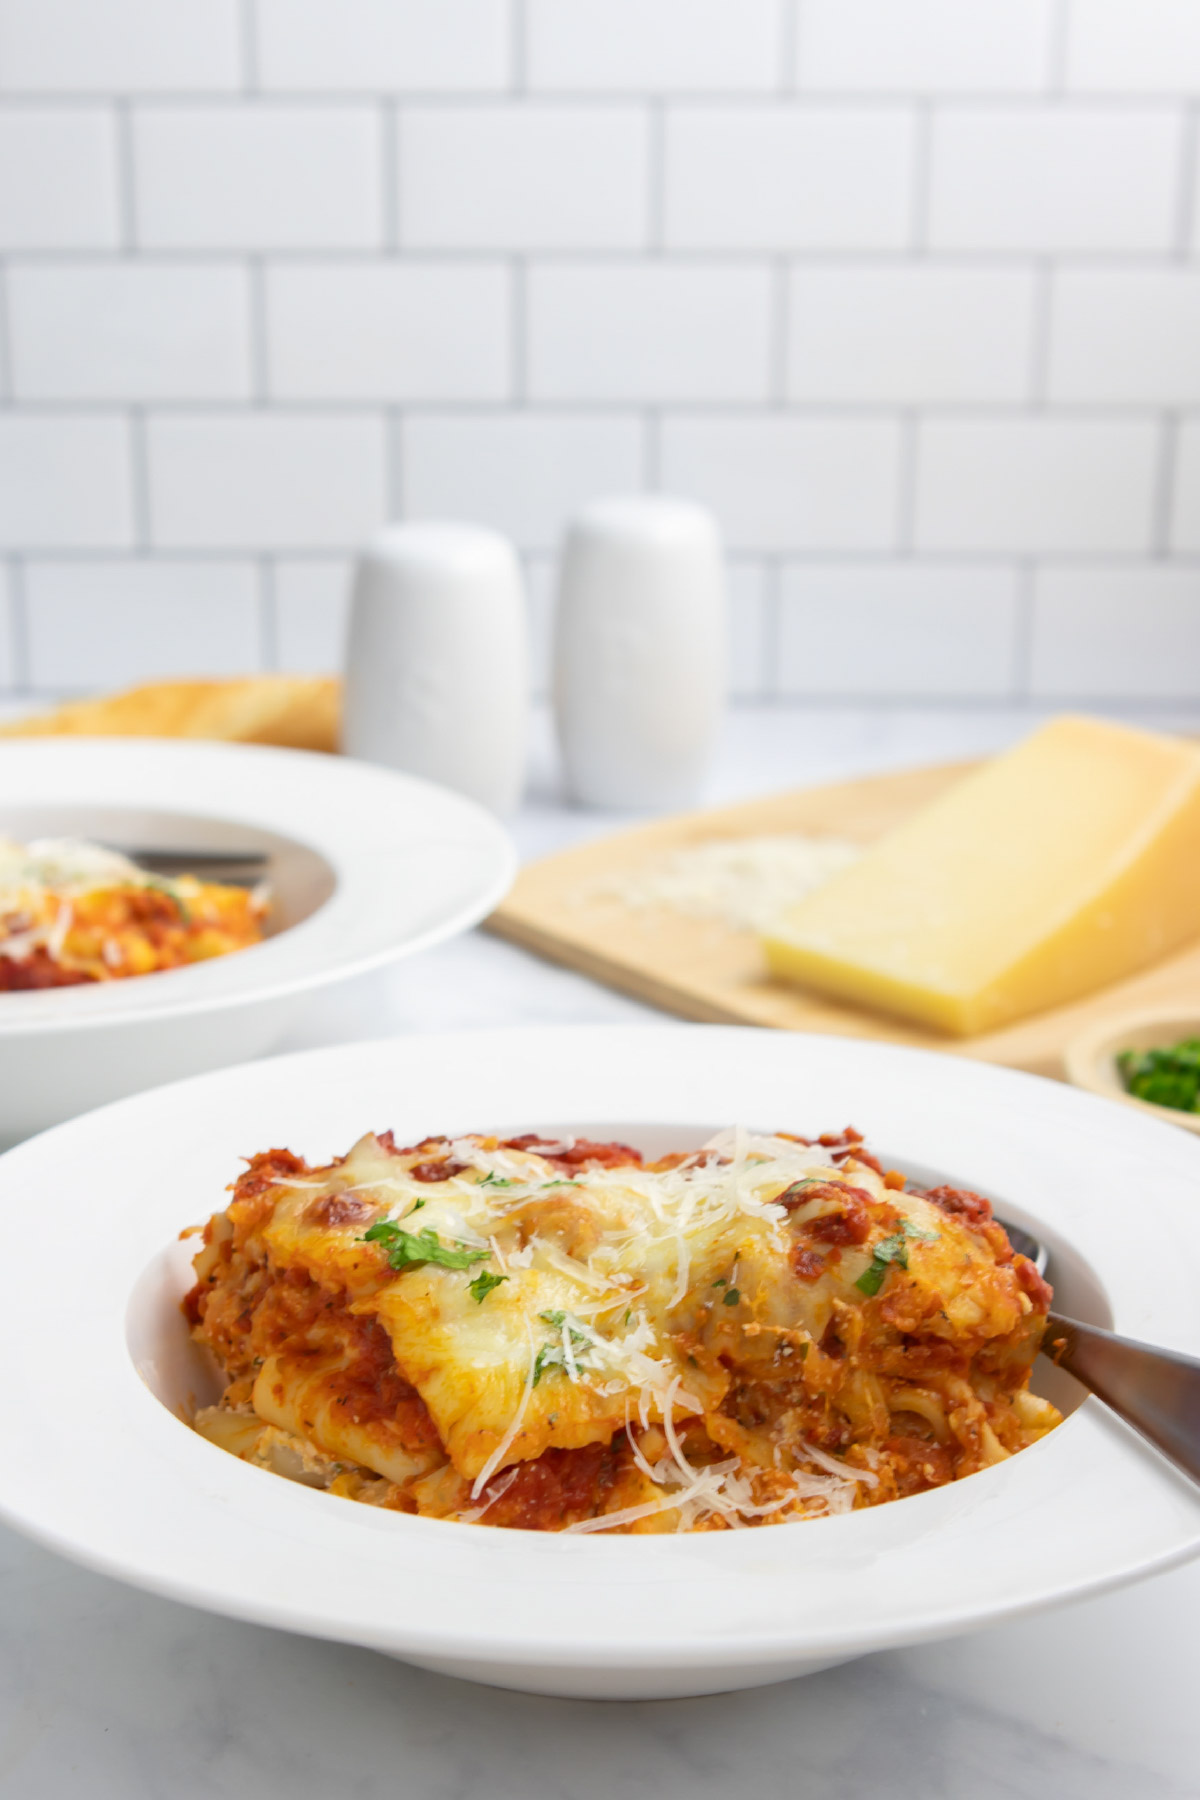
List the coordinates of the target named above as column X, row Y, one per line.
column 115, row 1695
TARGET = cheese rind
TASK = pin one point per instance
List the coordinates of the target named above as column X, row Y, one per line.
column 1070, row 862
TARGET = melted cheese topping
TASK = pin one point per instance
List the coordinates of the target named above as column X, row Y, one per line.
column 540, row 1332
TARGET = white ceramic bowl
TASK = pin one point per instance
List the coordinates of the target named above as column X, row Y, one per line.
column 366, row 866
column 96, row 1465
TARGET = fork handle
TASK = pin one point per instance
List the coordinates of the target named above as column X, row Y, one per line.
column 1155, row 1391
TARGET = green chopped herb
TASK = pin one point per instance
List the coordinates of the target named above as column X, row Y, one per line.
column 491, row 1179
column 720, row 1282
column 1169, row 1076
column 890, row 1250
column 481, row 1287
column 415, row 1207
column 553, row 1356
column 798, row 1187
column 406, row 1249
column 732, row 1297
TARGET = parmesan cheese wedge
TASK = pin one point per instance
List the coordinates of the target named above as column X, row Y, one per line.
column 1066, row 864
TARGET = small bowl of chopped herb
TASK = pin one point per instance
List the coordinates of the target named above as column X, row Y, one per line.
column 1151, row 1061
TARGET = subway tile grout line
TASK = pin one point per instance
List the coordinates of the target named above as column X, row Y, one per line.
column 739, row 553
column 656, row 177
column 1185, row 199
column 248, row 45
column 126, row 180
column 1164, row 489
column 780, row 335
column 394, row 470
column 8, row 373
column 922, row 180
column 789, row 44
column 766, row 97
column 389, row 175
column 752, row 410
column 19, row 609
column 519, row 335
column 768, row 674
column 794, row 74
column 256, row 276
column 840, row 256
column 1022, row 669
column 139, row 480
column 1041, row 336
column 906, row 486
column 1058, row 48
column 268, row 614
column 652, row 450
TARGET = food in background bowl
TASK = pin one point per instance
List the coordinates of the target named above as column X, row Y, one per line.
column 554, row 1334
column 74, row 912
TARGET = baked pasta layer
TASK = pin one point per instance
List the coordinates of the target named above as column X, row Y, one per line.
column 557, row 1335
column 72, row 912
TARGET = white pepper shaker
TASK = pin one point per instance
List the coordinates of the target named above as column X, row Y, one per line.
column 639, row 651
column 437, row 660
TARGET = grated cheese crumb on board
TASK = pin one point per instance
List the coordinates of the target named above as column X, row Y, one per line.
column 748, row 882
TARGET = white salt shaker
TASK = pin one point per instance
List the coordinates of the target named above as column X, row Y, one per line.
column 437, row 660
column 639, row 651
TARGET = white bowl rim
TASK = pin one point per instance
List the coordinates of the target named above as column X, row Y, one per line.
column 316, row 800
column 1086, row 1509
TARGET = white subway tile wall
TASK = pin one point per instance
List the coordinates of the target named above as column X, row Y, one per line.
column 129, row 331
column 599, row 332
column 130, row 620
column 306, row 618
column 924, row 46
column 267, row 481
column 523, row 473
column 59, row 178
column 928, row 630
column 908, row 291
column 389, row 331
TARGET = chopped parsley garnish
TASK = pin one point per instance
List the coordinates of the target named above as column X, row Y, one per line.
column 406, row 1249
column 481, row 1287
column 1169, row 1076
column 732, row 1297
column 491, row 1179
column 720, row 1282
column 890, row 1250
column 553, row 1356
column 799, row 1187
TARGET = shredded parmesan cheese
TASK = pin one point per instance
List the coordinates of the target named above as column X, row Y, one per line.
column 747, row 883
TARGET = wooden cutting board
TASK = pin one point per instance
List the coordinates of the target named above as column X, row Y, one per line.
column 704, row 969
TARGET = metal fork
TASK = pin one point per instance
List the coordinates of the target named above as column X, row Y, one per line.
column 1155, row 1391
